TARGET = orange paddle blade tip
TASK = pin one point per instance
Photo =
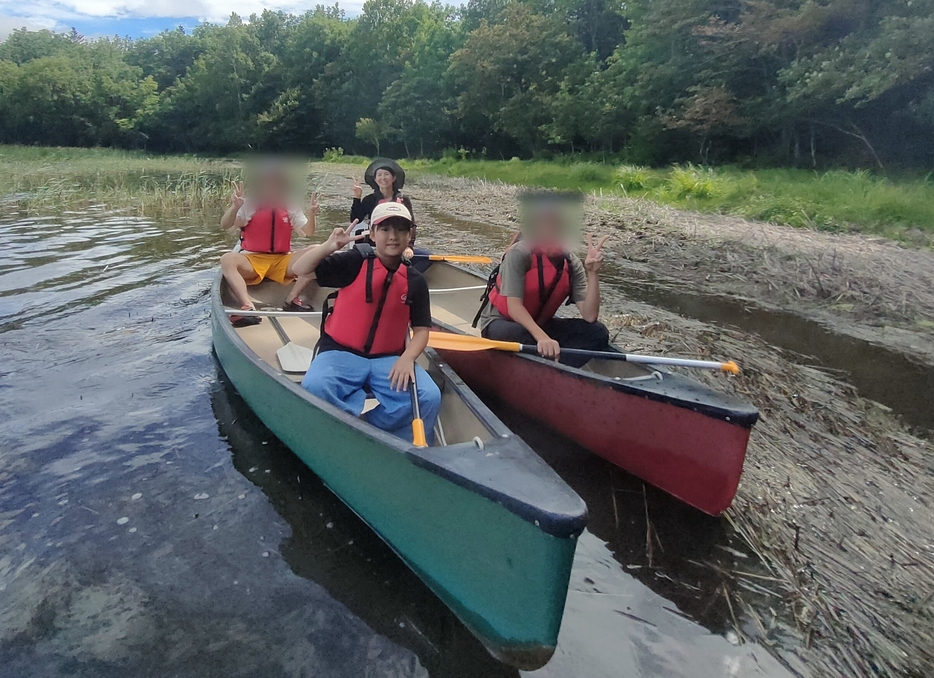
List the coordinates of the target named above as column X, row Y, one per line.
column 418, row 433
column 730, row 367
column 463, row 342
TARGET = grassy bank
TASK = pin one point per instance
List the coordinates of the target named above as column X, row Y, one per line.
column 834, row 200
column 55, row 178
column 902, row 208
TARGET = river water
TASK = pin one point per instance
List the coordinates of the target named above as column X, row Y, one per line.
column 151, row 526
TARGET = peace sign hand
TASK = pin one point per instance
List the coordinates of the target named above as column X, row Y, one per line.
column 594, row 254
column 313, row 206
column 341, row 237
column 357, row 189
column 236, row 197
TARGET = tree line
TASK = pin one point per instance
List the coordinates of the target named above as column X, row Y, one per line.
column 803, row 82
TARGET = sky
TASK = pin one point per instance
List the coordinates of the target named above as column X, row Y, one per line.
column 138, row 18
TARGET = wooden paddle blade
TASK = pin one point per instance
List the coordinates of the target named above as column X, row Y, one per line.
column 294, row 358
column 460, row 258
column 463, row 342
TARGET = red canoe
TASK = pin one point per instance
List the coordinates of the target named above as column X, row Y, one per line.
column 672, row 431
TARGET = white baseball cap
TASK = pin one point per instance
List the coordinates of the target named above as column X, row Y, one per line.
column 385, row 210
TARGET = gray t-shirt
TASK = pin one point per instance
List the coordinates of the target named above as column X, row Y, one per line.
column 516, row 265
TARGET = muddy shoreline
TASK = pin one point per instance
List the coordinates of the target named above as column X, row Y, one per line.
column 837, row 497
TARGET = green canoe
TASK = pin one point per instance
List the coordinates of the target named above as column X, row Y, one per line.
column 479, row 517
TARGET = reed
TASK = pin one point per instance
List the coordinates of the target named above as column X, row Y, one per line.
column 43, row 179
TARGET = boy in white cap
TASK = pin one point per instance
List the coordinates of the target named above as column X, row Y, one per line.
column 365, row 334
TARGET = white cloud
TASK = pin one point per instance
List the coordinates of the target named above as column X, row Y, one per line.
column 55, row 14
column 8, row 24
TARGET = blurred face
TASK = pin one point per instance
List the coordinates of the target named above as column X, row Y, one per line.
column 273, row 187
column 384, row 178
column 391, row 236
column 551, row 223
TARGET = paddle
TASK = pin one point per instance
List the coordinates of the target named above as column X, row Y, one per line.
column 418, row 426
column 292, row 357
column 455, row 258
column 463, row 342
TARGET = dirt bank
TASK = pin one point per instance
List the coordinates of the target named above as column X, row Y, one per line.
column 837, row 497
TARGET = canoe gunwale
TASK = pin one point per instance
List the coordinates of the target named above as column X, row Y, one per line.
column 745, row 417
column 568, row 522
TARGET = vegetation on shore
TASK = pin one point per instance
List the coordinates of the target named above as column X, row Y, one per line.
column 835, row 200
column 57, row 178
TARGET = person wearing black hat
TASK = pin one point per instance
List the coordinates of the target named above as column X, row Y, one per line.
column 387, row 179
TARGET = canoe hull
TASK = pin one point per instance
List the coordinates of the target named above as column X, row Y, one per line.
column 695, row 457
column 499, row 572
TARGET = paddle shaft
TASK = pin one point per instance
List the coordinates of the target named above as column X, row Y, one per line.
column 630, row 358
column 449, row 341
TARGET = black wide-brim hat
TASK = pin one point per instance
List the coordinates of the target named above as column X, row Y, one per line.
column 384, row 163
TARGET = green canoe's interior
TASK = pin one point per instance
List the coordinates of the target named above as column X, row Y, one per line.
column 458, row 422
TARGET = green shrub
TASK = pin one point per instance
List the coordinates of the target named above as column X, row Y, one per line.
column 333, row 154
column 691, row 182
column 633, row 177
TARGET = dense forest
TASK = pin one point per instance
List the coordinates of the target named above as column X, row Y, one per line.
column 766, row 82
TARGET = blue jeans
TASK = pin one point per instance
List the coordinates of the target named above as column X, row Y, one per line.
column 340, row 378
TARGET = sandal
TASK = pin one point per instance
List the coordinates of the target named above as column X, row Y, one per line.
column 297, row 306
column 245, row 320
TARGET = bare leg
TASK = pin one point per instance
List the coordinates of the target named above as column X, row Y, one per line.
column 301, row 281
column 238, row 272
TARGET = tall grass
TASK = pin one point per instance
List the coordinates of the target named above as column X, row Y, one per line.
column 55, row 178
column 832, row 200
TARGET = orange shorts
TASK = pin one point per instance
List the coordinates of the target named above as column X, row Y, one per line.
column 272, row 266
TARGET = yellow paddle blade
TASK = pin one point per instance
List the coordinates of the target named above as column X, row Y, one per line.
column 730, row 367
column 460, row 258
column 418, row 433
column 462, row 342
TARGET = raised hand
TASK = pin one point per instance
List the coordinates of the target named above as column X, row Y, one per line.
column 594, row 258
column 341, row 237
column 357, row 189
column 313, row 206
column 236, row 196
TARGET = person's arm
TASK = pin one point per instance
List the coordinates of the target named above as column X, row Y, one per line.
column 589, row 307
column 308, row 262
column 230, row 216
column 403, row 370
column 229, row 220
column 312, row 215
column 515, row 267
column 547, row 347
column 305, row 222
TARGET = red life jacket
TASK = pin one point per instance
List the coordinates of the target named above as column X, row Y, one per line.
column 547, row 286
column 269, row 230
column 371, row 315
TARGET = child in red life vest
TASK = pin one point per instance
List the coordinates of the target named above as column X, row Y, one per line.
column 363, row 337
column 537, row 276
column 266, row 227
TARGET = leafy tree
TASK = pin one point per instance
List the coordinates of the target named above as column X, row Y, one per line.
column 371, row 131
